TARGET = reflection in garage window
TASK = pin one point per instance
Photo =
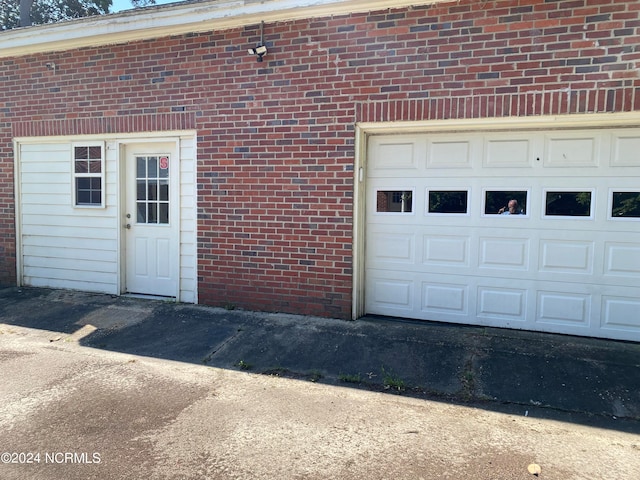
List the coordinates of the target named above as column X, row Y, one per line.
column 394, row 201
column 568, row 204
column 448, row 201
column 497, row 202
column 626, row 205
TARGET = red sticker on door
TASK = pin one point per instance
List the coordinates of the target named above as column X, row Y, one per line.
column 164, row 163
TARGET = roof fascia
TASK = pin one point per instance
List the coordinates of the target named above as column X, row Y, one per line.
column 178, row 19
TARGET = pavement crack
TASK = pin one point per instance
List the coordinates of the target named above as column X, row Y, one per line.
column 220, row 346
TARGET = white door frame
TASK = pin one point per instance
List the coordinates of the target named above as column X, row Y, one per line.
column 174, row 211
column 364, row 129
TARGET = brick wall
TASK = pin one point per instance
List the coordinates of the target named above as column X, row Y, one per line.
column 276, row 139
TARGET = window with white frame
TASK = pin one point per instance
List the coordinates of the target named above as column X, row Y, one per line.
column 88, row 175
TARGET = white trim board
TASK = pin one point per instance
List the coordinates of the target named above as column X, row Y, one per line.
column 179, row 19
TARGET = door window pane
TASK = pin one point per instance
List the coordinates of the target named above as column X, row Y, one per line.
column 141, row 167
column 163, row 216
column 142, row 212
column 448, row 201
column 568, row 204
column 153, row 167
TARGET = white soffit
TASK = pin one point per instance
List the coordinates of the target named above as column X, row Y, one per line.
column 178, row 19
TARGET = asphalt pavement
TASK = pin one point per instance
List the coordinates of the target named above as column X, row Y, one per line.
column 493, row 368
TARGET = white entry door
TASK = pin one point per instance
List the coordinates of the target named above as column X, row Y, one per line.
column 151, row 219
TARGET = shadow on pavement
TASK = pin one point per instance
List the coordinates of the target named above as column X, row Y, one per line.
column 582, row 380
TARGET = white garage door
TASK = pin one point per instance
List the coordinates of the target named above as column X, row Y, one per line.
column 567, row 258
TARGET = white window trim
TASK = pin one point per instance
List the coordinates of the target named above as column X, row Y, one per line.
column 101, row 175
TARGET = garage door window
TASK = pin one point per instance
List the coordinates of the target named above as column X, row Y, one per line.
column 625, row 205
column 505, row 202
column 448, row 201
column 568, row 204
column 394, row 201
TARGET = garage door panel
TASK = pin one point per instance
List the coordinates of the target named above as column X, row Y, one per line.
column 564, row 308
column 622, row 259
column 503, row 253
column 449, row 154
column 502, row 303
column 620, row 313
column 393, row 247
column 569, row 151
column 508, row 152
column 448, row 298
column 390, row 294
column 566, row 256
column 625, row 151
column 396, row 155
column 446, row 250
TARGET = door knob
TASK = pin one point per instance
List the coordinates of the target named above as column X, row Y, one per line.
column 128, row 226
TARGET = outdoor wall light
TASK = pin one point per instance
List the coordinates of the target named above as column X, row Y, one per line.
column 261, row 50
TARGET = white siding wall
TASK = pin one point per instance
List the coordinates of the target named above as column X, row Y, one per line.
column 65, row 246
column 188, row 221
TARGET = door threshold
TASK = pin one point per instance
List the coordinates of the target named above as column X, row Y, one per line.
column 148, row 296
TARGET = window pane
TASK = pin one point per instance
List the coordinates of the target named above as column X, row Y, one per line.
column 164, row 213
column 83, row 183
column 81, row 166
column 448, row 201
column 142, row 190
column 83, row 197
column 95, row 153
column 164, row 190
column 626, row 205
column 164, row 167
column 568, row 204
column 499, row 202
column 152, row 215
column 152, row 189
column 153, row 167
column 95, row 166
column 142, row 212
column 81, row 152
column 141, row 167
column 394, row 201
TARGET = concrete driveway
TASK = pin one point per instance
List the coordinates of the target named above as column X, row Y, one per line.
column 70, row 411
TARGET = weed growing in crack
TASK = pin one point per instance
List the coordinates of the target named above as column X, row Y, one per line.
column 392, row 381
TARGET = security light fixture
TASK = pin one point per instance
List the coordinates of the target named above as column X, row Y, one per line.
column 261, row 50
